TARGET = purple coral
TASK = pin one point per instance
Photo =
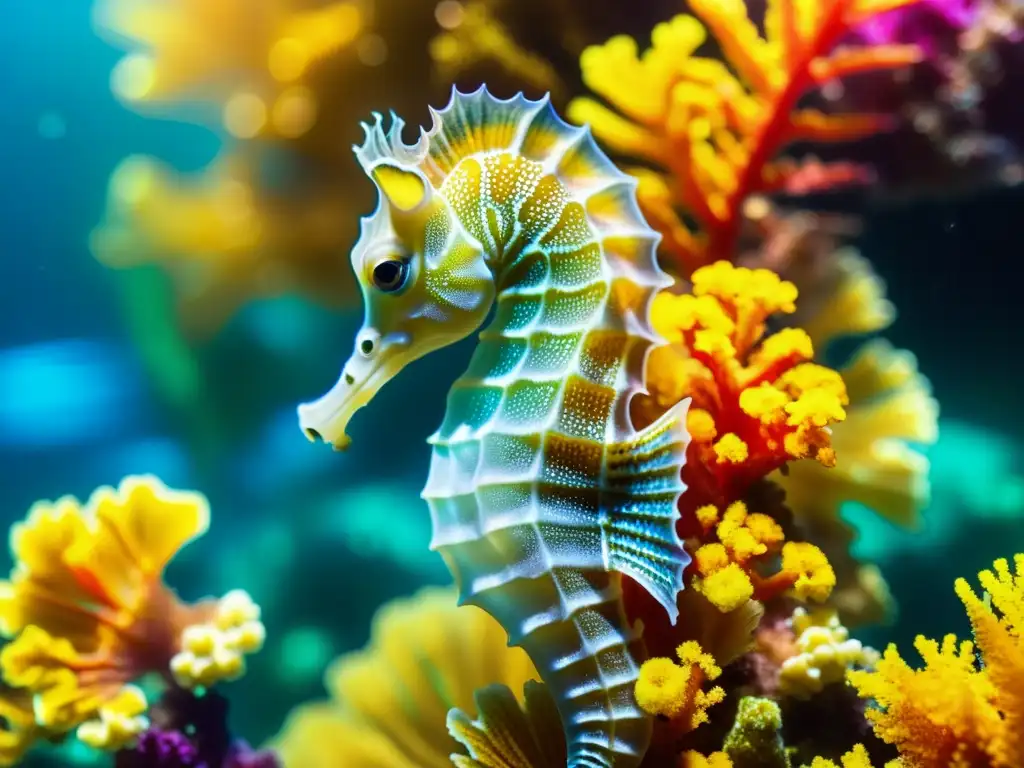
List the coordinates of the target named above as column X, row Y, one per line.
column 934, row 25
column 190, row 731
column 158, row 748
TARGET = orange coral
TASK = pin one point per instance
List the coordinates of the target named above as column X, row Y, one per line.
column 715, row 133
column 89, row 613
column 953, row 712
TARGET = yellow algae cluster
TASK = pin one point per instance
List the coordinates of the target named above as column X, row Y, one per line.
column 390, row 701
column 714, row 129
column 825, row 653
column 87, row 613
column 965, row 707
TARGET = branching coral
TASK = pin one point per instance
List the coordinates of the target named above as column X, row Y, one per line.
column 953, row 712
column 673, row 691
column 757, row 405
column 391, row 700
column 715, row 133
column 89, row 613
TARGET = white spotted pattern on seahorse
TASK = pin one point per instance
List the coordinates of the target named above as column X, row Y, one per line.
column 541, row 492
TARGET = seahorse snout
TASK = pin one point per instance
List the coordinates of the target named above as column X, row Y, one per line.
column 374, row 362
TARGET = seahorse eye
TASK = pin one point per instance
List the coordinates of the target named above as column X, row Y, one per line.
column 389, row 275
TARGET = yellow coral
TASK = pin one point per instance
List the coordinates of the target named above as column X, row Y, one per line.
column 691, row 759
column 777, row 405
column 87, row 610
column 120, row 722
column 953, row 713
column 825, row 652
column 727, row 572
column 713, row 132
column 814, row 577
column 668, row 689
column 426, row 656
column 856, row 758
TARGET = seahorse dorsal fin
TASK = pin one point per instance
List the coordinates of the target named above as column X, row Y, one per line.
column 643, row 485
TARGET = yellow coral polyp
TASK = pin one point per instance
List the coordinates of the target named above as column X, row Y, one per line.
column 215, row 651
column 692, row 759
column 825, row 653
column 856, row 758
column 728, row 573
column 777, row 405
column 661, row 688
column 807, row 564
column 727, row 588
column 731, row 450
column 669, row 690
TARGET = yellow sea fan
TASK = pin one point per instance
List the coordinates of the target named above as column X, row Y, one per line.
column 713, row 129
column 390, row 701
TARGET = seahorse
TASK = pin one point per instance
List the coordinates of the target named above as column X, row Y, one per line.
column 541, row 492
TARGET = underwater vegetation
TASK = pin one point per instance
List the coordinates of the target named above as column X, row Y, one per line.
column 678, row 387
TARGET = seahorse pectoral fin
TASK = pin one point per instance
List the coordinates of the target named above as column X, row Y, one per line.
column 643, row 485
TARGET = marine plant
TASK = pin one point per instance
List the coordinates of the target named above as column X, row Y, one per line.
column 88, row 617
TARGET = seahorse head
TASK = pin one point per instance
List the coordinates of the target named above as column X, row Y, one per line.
column 424, row 284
